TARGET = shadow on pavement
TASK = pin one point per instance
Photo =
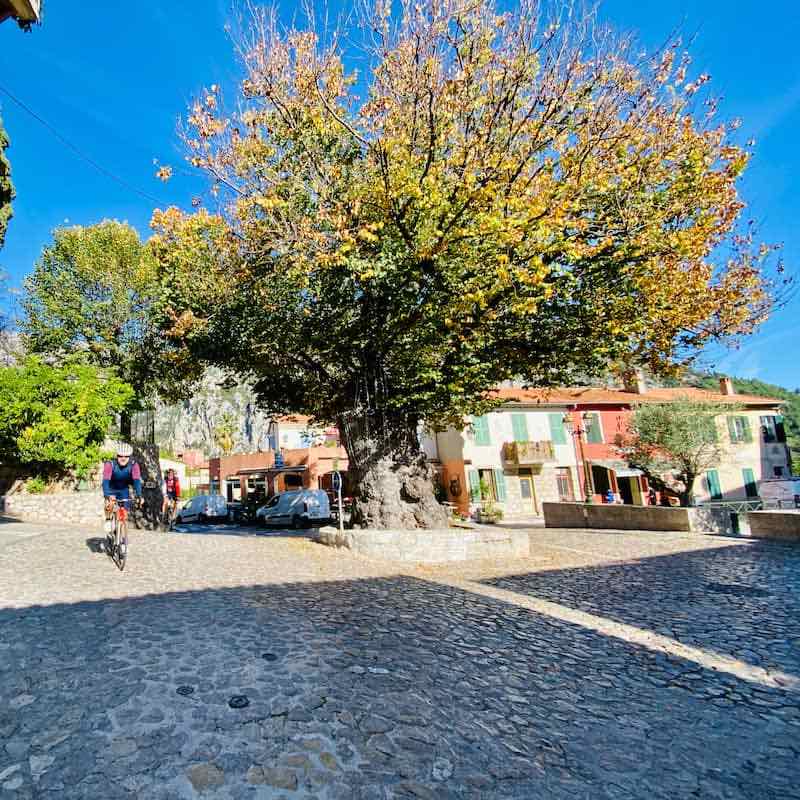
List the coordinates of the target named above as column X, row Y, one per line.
column 743, row 600
column 384, row 688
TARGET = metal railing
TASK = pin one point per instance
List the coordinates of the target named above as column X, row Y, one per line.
column 736, row 506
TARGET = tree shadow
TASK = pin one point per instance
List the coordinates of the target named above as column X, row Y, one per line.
column 382, row 687
column 741, row 600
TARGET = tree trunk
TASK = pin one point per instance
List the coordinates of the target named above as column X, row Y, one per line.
column 394, row 482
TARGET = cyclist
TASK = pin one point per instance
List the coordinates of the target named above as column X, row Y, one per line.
column 119, row 475
column 171, row 490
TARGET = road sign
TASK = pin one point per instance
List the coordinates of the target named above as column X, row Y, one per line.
column 279, row 459
column 336, row 482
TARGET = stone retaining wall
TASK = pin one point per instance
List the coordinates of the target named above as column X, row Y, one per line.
column 429, row 546
column 637, row 518
column 67, row 508
column 782, row 525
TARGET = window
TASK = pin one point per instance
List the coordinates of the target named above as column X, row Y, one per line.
column 594, row 430
column 739, row 430
column 714, row 489
column 519, row 425
column 480, row 426
column 564, row 481
column 750, row 488
column 773, row 429
column 777, row 472
column 557, row 433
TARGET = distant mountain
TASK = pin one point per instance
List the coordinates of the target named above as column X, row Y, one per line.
column 195, row 423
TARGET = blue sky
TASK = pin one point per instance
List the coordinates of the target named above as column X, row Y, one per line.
column 114, row 79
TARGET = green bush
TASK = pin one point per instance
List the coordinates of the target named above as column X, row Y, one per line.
column 54, row 419
column 36, row 485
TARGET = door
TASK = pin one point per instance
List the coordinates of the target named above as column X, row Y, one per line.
column 527, row 494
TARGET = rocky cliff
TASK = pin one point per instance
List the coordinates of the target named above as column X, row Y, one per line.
column 215, row 409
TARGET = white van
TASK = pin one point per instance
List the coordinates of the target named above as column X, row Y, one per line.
column 780, row 492
column 299, row 508
column 203, row 508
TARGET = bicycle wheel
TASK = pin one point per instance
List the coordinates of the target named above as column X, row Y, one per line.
column 122, row 547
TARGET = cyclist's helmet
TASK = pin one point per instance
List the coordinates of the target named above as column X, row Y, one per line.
column 124, row 450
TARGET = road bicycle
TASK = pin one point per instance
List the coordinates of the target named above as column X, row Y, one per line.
column 117, row 531
column 169, row 513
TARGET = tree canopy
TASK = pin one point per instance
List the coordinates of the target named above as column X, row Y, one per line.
column 501, row 195
column 91, row 294
column 54, row 419
column 7, row 192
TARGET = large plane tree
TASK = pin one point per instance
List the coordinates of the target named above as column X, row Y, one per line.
column 487, row 196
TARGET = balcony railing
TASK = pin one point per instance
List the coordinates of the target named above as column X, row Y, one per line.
column 521, row 453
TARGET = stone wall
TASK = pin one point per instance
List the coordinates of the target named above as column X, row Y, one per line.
column 636, row 518
column 431, row 546
column 781, row 525
column 64, row 508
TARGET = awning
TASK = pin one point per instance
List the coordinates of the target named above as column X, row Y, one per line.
column 620, row 468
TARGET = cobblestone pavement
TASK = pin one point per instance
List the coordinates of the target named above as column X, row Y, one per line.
column 235, row 666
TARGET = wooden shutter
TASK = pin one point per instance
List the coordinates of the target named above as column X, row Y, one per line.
column 747, row 433
column 594, row 434
column 474, row 486
column 481, row 427
column 714, row 488
column 519, row 424
column 732, row 429
column 750, row 486
column 780, row 428
column 500, row 485
column 557, row 433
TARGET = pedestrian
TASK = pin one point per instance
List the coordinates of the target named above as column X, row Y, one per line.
column 665, row 500
column 651, row 497
column 610, row 496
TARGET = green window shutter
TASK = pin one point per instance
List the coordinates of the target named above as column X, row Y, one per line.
column 732, row 429
column 557, row 433
column 747, row 433
column 594, row 434
column 750, row 486
column 500, row 485
column 520, row 426
column 714, row 489
column 481, row 427
column 780, row 428
column 474, row 486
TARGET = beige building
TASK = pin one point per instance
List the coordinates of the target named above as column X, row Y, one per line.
column 753, row 442
column 521, row 456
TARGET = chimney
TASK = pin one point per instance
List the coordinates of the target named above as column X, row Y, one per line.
column 633, row 381
column 726, row 386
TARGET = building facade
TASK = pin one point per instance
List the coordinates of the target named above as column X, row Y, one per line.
column 562, row 445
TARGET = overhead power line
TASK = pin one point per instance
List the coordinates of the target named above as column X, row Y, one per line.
column 78, row 152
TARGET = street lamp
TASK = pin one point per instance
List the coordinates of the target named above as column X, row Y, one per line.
column 577, row 431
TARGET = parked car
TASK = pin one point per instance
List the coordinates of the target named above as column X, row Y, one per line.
column 203, row 508
column 780, row 492
column 299, row 508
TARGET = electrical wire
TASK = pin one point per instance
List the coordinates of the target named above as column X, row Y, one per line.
column 78, row 152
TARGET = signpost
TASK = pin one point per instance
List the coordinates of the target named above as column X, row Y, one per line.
column 336, row 481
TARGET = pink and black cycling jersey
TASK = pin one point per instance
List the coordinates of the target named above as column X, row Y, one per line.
column 117, row 480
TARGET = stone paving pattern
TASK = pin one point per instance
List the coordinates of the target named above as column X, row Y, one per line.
column 362, row 681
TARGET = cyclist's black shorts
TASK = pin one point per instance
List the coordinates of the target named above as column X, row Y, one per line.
column 172, row 496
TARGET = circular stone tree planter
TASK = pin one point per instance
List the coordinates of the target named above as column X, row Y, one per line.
column 429, row 546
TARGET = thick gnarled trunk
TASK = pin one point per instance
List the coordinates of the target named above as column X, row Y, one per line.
column 394, row 482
